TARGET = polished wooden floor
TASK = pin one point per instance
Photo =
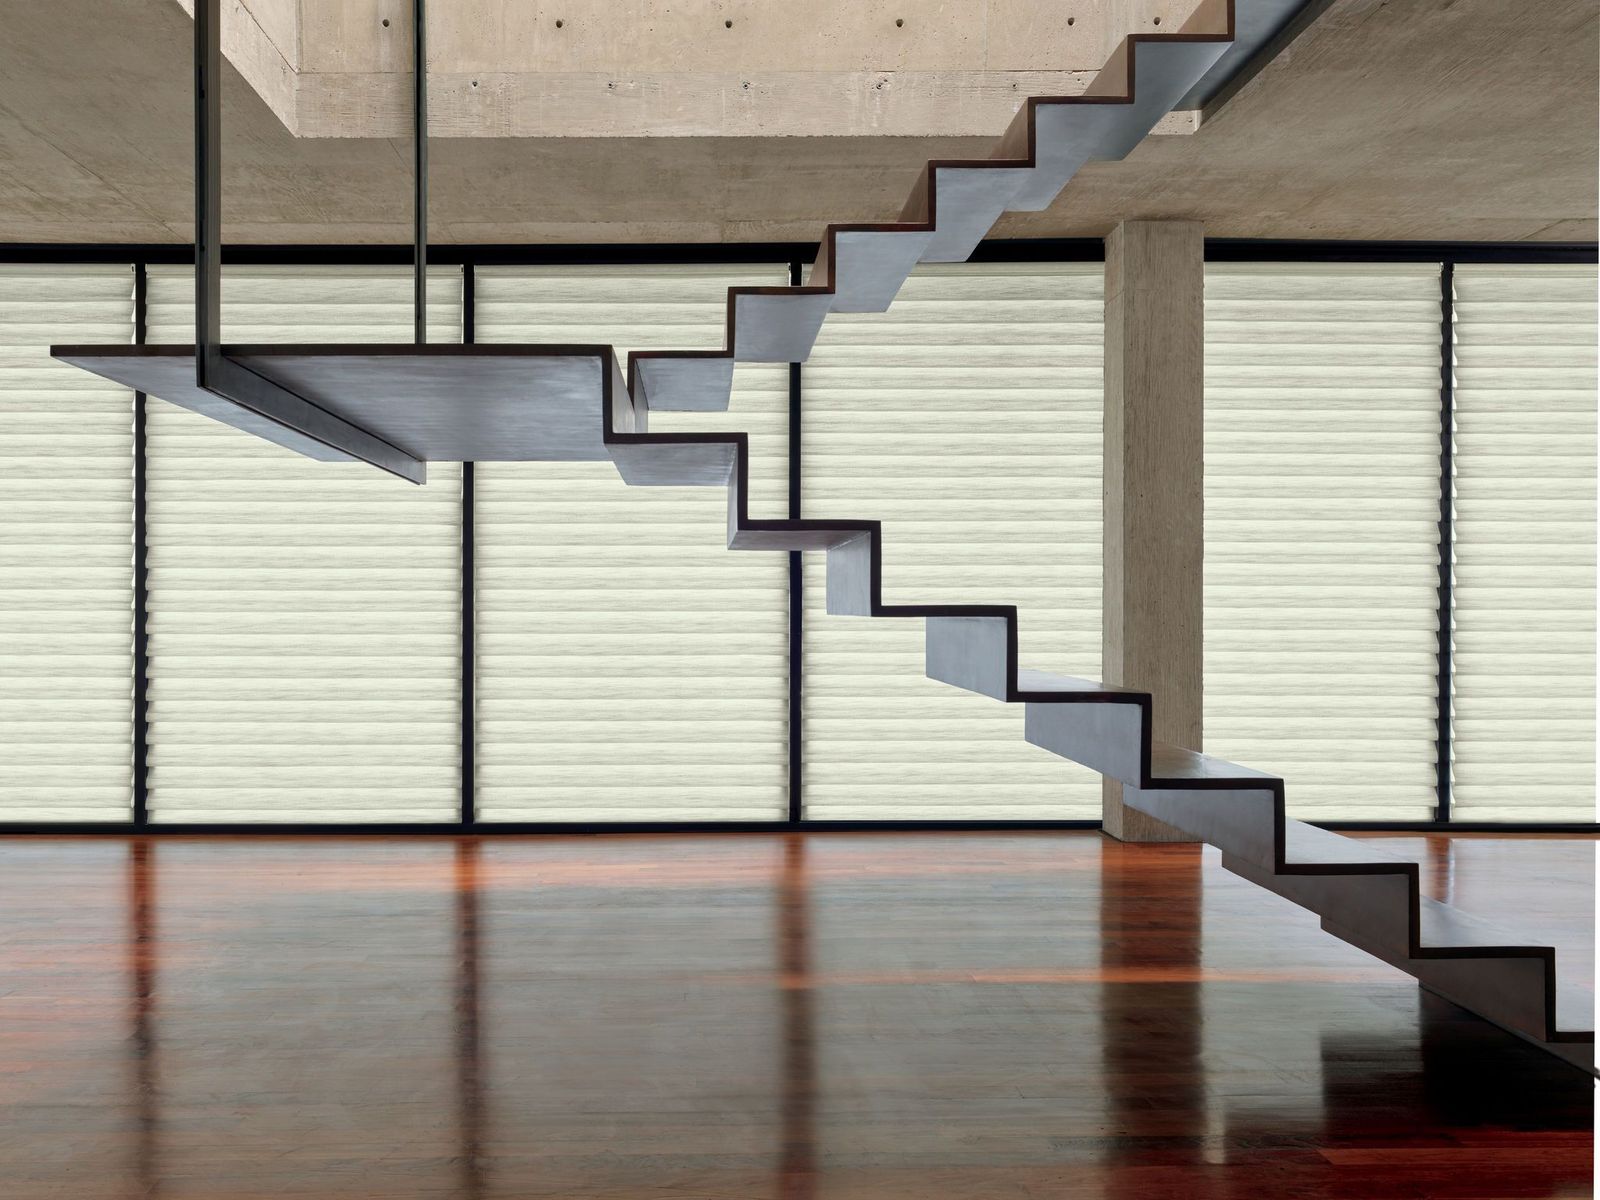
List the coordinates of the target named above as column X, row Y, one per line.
column 822, row 1017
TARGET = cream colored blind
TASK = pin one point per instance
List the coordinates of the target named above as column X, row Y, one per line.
column 1322, row 508
column 1524, row 631
column 304, row 617
column 66, row 550
column 629, row 666
column 968, row 419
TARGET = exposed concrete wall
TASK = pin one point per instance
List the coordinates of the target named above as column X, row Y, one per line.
column 691, row 68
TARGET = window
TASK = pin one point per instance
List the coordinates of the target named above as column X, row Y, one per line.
column 1322, row 550
column 630, row 667
column 968, row 419
column 305, row 653
column 304, row 619
column 66, row 550
column 1524, row 583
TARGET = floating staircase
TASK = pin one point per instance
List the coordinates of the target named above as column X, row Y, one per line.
column 407, row 396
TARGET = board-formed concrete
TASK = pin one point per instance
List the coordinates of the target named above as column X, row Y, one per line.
column 1153, row 474
column 1496, row 144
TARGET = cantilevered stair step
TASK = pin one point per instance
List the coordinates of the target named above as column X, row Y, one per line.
column 682, row 380
column 1069, row 131
column 1443, row 927
column 1106, row 734
column 974, row 653
column 1159, row 70
column 1044, row 686
column 866, row 264
column 775, row 324
column 793, row 535
column 962, row 200
column 690, row 460
column 1176, row 766
column 1307, row 846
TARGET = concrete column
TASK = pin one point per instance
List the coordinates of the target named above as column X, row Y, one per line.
column 1154, row 529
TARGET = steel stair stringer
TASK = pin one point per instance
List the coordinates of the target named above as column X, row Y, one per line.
column 861, row 267
column 1364, row 896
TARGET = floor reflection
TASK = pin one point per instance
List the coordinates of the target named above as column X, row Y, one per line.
column 469, row 1020
column 141, row 956
column 1151, row 1018
column 789, row 1016
column 797, row 1158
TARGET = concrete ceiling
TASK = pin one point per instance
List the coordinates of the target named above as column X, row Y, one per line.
column 679, row 68
column 1450, row 119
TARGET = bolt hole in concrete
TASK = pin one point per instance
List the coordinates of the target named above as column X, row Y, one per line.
column 386, row 22
column 727, row 24
column 1070, row 20
column 899, row 22
column 559, row 24
column 1158, row 20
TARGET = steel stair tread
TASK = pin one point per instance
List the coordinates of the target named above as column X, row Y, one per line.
column 1178, row 765
column 1306, row 845
column 1446, row 927
column 1046, row 684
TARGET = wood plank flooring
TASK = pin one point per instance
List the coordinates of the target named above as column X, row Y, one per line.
column 811, row 1017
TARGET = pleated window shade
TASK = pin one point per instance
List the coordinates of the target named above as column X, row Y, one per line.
column 629, row 666
column 968, row 419
column 1524, row 630
column 304, row 617
column 66, row 550
column 1322, row 507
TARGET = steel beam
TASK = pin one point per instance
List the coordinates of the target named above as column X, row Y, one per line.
column 214, row 371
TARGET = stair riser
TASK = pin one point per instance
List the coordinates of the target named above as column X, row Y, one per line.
column 1103, row 737
column 969, row 652
column 1166, row 71
column 870, row 267
column 968, row 202
column 685, row 384
column 778, row 328
column 1242, row 824
column 1065, row 137
column 850, row 578
column 1373, row 910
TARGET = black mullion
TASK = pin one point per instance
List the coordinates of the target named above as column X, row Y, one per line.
column 419, row 169
column 141, row 576
column 1447, row 414
column 469, row 591
column 796, row 595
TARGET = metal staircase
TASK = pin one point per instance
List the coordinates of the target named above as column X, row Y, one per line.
column 565, row 402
